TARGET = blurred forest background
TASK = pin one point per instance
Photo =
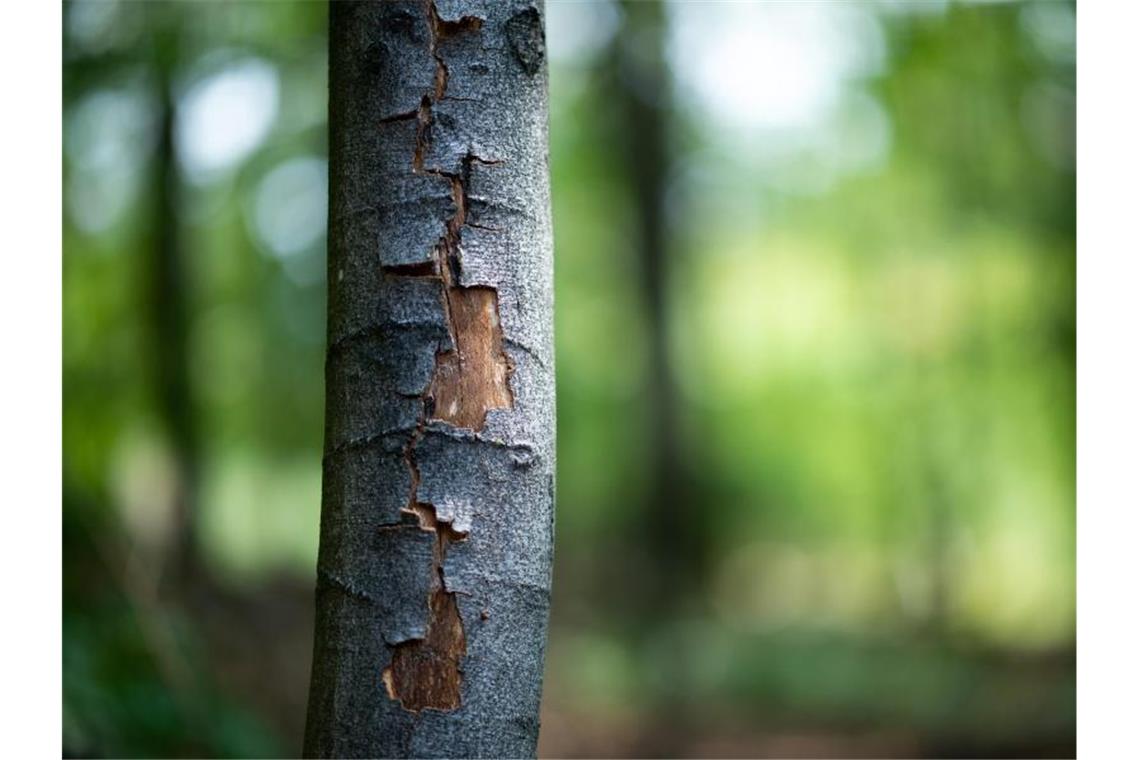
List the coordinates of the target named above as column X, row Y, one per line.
column 816, row 374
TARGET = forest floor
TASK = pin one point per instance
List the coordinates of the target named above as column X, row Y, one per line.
column 267, row 668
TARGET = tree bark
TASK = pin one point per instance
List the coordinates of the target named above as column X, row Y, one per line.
column 434, row 571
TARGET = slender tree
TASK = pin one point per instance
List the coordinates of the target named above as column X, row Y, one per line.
column 434, row 571
column 640, row 90
column 168, row 290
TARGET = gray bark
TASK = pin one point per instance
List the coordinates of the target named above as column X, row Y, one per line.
column 437, row 514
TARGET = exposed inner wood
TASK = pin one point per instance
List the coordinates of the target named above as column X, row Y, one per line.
column 425, row 673
column 472, row 379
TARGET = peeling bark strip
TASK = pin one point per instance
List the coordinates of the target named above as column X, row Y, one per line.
column 437, row 509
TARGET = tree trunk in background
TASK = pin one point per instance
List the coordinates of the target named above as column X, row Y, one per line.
column 643, row 99
column 168, row 290
column 438, row 502
column 673, row 531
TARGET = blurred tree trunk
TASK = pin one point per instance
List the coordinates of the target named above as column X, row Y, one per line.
column 644, row 102
column 433, row 579
column 673, row 528
column 168, row 291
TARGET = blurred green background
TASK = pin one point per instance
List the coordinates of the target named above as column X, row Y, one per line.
column 815, row 271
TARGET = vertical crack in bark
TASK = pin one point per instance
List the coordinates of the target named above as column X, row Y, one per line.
column 468, row 380
column 474, row 377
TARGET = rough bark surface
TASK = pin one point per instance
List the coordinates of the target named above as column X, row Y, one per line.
column 437, row 518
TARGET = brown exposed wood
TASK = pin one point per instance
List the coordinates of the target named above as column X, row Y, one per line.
column 474, row 378
column 425, row 672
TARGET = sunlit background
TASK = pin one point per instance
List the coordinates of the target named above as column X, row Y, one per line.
column 816, row 340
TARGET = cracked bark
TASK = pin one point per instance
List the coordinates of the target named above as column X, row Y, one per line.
column 433, row 579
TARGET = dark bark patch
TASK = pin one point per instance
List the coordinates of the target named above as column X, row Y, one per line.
column 524, row 31
column 418, row 269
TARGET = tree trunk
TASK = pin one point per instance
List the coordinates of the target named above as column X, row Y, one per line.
column 641, row 96
column 433, row 581
column 169, row 290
